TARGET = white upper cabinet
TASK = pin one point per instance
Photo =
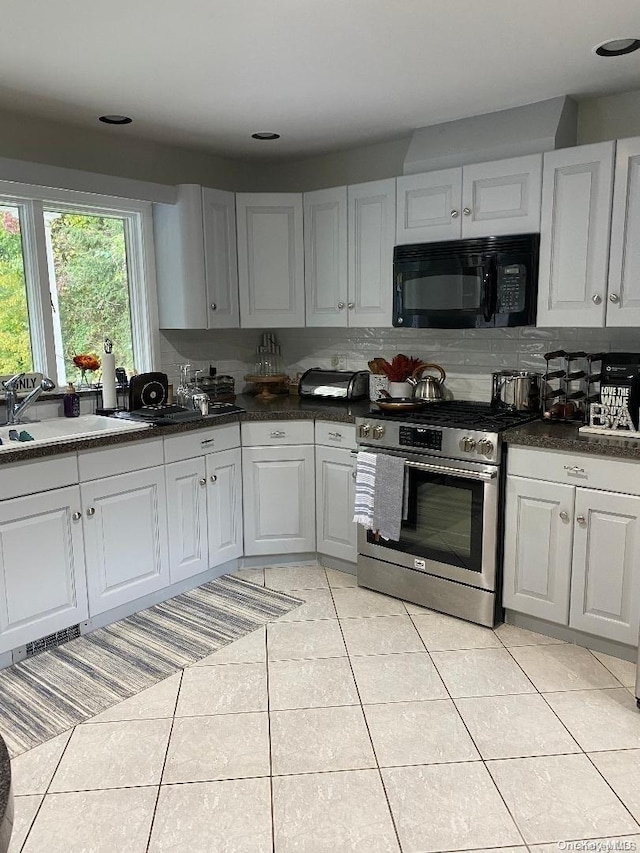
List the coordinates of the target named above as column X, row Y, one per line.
column 574, row 235
column 371, row 234
column 482, row 200
column 325, row 257
column 270, row 260
column 196, row 263
column 428, row 207
column 502, row 197
column 623, row 306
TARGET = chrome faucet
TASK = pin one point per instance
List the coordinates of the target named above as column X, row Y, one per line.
column 16, row 409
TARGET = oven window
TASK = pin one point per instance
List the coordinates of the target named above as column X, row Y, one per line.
column 443, row 520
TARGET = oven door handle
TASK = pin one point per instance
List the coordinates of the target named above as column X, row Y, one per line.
column 453, row 472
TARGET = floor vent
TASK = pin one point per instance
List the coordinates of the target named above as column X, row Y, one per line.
column 52, row 640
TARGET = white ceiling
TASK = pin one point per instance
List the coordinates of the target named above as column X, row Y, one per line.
column 326, row 74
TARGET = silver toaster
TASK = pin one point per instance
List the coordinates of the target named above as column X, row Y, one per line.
column 334, row 384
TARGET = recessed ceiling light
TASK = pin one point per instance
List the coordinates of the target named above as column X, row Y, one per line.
column 265, row 134
column 113, row 118
column 617, row 47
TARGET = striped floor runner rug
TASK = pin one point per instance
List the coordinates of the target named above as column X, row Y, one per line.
column 45, row 695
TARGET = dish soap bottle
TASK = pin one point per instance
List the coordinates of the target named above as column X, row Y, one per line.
column 71, row 402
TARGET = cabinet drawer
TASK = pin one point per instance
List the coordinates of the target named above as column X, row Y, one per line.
column 273, row 433
column 108, row 461
column 38, row 475
column 578, row 469
column 186, row 445
column 336, row 435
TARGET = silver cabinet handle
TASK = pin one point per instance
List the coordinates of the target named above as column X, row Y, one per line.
column 91, row 512
column 336, row 435
column 206, row 441
column 596, row 299
column 341, row 305
column 213, row 306
column 581, row 519
column 351, row 304
column 213, row 478
column 467, row 211
column 455, row 214
column 76, row 516
column 463, row 473
column 564, row 515
column 278, row 433
column 613, row 297
column 575, row 471
column 353, row 474
column 203, row 481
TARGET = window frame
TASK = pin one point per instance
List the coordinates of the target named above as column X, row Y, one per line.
column 31, row 201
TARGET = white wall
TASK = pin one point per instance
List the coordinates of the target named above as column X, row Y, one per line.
column 609, row 117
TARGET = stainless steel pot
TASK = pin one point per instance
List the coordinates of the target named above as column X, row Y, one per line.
column 517, row 390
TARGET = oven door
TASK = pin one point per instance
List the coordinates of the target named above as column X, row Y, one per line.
column 450, row 523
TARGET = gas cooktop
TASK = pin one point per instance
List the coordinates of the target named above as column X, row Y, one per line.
column 460, row 414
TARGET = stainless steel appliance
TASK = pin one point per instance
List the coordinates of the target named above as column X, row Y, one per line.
column 448, row 556
column 460, row 284
column 334, row 384
column 517, row 390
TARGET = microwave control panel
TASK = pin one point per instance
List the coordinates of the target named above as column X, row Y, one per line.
column 512, row 281
column 429, row 439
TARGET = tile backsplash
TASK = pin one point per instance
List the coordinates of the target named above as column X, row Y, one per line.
column 469, row 356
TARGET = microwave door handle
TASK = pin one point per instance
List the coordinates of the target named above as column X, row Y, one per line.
column 489, row 290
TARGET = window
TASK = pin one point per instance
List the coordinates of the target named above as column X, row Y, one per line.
column 72, row 272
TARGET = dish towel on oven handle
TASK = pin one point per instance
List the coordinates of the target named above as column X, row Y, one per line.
column 389, row 504
column 365, row 489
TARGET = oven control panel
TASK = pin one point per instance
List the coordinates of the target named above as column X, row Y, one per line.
column 422, row 437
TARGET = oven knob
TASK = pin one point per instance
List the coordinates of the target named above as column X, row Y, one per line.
column 364, row 430
column 467, row 444
column 485, row 447
column 378, row 432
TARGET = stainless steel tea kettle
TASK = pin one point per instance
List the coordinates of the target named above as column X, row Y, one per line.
column 428, row 387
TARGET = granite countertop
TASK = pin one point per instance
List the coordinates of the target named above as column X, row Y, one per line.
column 550, row 436
column 281, row 408
column 6, row 803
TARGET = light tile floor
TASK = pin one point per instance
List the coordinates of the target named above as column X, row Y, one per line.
column 355, row 723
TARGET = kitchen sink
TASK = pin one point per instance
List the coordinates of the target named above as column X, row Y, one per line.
column 60, row 430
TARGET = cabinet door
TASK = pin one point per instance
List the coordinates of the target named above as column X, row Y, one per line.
column 125, row 530
column 574, row 235
column 224, row 475
column 428, row 207
column 278, row 499
column 270, row 260
column 42, row 572
column 179, row 249
column 371, row 232
column 220, row 259
column 623, row 307
column 325, row 257
column 605, row 588
column 187, row 518
column 335, row 493
column 502, row 197
column 537, row 548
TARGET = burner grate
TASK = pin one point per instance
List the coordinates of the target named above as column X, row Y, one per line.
column 460, row 414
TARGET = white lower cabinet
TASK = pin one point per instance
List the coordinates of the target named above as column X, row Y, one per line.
column 125, row 528
column 278, row 499
column 537, row 548
column 605, row 587
column 224, row 505
column 335, row 492
column 187, row 518
column 572, row 556
column 42, row 569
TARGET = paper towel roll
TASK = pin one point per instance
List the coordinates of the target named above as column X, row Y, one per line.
column 109, row 399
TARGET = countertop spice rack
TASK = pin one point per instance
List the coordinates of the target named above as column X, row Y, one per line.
column 571, row 382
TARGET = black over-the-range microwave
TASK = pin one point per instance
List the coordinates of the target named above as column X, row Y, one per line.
column 481, row 283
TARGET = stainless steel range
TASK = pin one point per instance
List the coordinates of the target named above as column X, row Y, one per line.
column 448, row 557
